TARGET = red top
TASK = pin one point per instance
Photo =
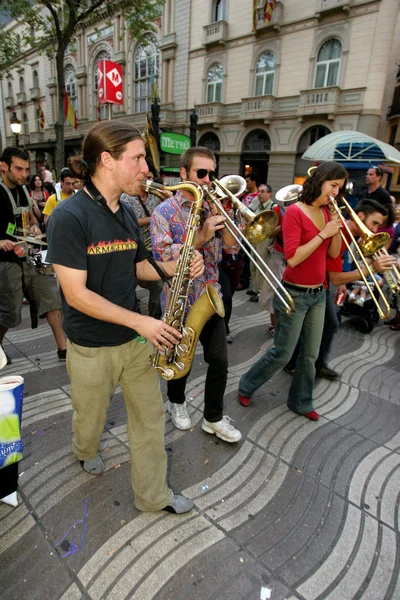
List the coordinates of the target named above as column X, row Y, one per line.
column 298, row 229
column 277, row 245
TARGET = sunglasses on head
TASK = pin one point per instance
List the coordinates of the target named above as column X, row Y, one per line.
column 201, row 173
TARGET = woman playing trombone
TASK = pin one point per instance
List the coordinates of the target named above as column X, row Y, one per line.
column 310, row 233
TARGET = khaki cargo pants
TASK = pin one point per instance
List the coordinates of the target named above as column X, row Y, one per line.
column 94, row 374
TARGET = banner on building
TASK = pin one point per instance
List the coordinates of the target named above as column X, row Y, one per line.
column 269, row 9
column 109, row 80
column 41, row 117
column 69, row 112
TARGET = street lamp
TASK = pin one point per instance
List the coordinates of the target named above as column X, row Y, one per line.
column 15, row 125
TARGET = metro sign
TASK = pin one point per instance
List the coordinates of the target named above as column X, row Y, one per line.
column 109, row 77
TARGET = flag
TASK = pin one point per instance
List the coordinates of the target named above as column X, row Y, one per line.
column 41, row 117
column 255, row 6
column 153, row 88
column 69, row 113
column 269, row 9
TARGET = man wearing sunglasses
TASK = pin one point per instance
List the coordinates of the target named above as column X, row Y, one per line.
column 168, row 228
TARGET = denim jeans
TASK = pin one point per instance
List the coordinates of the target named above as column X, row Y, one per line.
column 304, row 324
column 331, row 325
column 213, row 340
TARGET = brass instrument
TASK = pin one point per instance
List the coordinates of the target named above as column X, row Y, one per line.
column 258, row 228
column 369, row 245
column 288, row 195
column 391, row 276
column 177, row 361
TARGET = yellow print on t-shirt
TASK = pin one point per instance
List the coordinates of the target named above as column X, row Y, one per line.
column 108, row 247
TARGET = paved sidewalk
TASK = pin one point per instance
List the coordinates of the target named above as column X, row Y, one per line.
column 297, row 510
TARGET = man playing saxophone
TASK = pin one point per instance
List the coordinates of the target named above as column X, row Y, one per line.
column 168, row 231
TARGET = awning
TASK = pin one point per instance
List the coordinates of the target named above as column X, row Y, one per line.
column 352, row 146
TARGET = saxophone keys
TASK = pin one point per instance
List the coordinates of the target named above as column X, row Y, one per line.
column 181, row 349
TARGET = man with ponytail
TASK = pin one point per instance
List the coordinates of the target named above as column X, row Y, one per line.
column 98, row 254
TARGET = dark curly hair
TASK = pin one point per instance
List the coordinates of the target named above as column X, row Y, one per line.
column 325, row 172
column 32, row 181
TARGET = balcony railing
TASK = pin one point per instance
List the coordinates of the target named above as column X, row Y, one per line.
column 9, row 101
column 326, row 6
column 34, row 93
column 36, row 137
column 210, row 113
column 262, row 24
column 319, row 101
column 258, row 107
column 215, row 33
column 21, row 98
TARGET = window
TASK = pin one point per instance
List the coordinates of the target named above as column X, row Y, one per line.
column 21, row 85
column 10, row 90
column 25, row 124
column 265, row 72
column 100, row 110
column 219, row 10
column 37, row 119
column 328, row 64
column 214, row 83
column 147, row 69
column 35, row 78
column 257, row 141
column 210, row 140
column 70, row 86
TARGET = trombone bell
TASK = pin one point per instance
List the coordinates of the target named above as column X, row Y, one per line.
column 261, row 226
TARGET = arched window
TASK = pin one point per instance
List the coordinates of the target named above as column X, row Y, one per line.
column 265, row 73
column 219, row 10
column 257, row 141
column 70, row 86
column 210, row 140
column 21, row 85
column 100, row 110
column 147, row 69
column 311, row 135
column 10, row 89
column 25, row 124
column 328, row 64
column 35, row 78
column 215, row 78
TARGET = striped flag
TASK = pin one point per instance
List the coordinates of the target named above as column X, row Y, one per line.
column 269, row 9
column 69, row 113
column 41, row 117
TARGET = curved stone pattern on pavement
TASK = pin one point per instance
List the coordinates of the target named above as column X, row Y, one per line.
column 306, row 510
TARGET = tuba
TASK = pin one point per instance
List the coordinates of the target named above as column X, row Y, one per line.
column 176, row 362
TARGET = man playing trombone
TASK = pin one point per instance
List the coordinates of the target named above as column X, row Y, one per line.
column 167, row 226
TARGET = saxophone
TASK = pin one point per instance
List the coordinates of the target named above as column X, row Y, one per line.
column 176, row 362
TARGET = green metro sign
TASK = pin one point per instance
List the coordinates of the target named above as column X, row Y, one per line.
column 174, row 143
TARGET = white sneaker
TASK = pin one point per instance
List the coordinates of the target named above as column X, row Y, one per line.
column 223, row 429
column 179, row 415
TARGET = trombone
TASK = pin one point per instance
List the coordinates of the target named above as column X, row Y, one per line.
column 369, row 245
column 258, row 228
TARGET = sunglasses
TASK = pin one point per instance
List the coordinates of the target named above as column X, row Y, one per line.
column 201, row 173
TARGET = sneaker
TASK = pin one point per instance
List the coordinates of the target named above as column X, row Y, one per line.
column 179, row 505
column 360, row 301
column 229, row 339
column 179, row 415
column 253, row 298
column 327, row 373
column 95, row 466
column 62, row 355
column 251, row 293
column 244, row 400
column 222, row 429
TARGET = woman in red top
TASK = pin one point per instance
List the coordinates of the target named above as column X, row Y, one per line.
column 39, row 196
column 310, row 233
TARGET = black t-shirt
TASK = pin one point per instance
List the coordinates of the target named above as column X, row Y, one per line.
column 380, row 195
column 7, row 218
column 82, row 234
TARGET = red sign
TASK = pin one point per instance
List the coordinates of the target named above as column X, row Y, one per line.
column 109, row 77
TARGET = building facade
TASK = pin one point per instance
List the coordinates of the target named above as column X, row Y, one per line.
column 263, row 90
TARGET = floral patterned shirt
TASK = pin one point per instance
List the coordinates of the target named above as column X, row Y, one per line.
column 168, row 233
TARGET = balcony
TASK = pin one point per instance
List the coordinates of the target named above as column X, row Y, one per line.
column 21, row 98
column 394, row 110
column 211, row 114
column 325, row 7
column 34, row 93
column 9, row 101
column 319, row 101
column 36, row 137
column 258, row 108
column 168, row 46
column 216, row 33
column 262, row 24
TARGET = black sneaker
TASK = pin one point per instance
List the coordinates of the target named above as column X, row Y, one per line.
column 62, row 355
column 327, row 373
column 251, row 293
